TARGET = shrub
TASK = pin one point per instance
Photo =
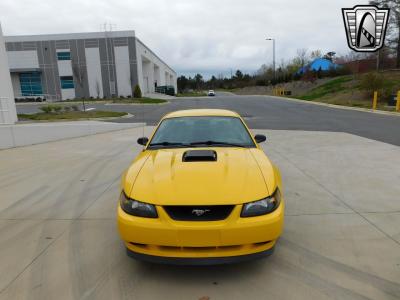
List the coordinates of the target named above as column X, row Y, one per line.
column 46, row 109
column 67, row 108
column 75, row 107
column 57, row 108
column 371, row 82
column 137, row 93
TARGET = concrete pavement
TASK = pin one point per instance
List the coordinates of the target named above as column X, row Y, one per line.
column 58, row 237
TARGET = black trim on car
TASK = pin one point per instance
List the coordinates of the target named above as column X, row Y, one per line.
column 203, row 261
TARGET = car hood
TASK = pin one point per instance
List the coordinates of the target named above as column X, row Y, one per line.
column 161, row 177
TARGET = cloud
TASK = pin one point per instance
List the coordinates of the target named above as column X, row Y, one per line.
column 191, row 35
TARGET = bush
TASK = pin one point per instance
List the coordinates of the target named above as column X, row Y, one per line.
column 67, row 108
column 137, row 93
column 57, row 108
column 75, row 107
column 46, row 109
column 371, row 82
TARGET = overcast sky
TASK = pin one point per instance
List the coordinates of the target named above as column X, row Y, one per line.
column 206, row 36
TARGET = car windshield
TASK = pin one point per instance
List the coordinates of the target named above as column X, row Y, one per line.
column 201, row 131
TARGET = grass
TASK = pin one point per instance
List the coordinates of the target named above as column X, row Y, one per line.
column 192, row 94
column 332, row 86
column 347, row 91
column 143, row 100
column 71, row 115
column 139, row 100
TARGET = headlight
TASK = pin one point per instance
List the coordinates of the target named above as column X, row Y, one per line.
column 136, row 208
column 261, row 207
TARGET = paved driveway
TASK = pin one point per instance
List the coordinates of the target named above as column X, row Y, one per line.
column 58, row 237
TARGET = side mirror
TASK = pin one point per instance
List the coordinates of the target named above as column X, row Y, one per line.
column 142, row 141
column 260, row 138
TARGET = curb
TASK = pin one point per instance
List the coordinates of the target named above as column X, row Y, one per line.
column 369, row 110
column 163, row 103
column 128, row 115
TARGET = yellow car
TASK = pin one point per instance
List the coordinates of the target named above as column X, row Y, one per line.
column 202, row 191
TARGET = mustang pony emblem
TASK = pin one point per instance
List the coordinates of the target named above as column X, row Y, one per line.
column 200, row 212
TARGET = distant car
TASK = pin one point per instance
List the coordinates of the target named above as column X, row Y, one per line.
column 211, row 93
column 202, row 191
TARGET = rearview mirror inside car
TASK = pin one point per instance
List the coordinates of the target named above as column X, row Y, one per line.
column 260, row 138
column 142, row 141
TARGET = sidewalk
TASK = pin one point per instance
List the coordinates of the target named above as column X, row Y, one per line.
column 158, row 96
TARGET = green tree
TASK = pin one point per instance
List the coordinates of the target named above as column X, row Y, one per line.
column 212, row 82
column 198, row 79
column 239, row 75
column 137, row 92
column 183, row 83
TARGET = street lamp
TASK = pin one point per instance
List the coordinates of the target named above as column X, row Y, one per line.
column 273, row 45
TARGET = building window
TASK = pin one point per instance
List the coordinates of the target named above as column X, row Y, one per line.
column 31, row 84
column 64, row 55
column 67, row 82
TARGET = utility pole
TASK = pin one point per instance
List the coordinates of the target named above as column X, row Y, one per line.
column 378, row 60
column 273, row 54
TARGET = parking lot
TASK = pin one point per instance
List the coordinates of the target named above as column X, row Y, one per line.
column 58, row 237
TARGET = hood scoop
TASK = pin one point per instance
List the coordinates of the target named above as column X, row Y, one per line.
column 199, row 155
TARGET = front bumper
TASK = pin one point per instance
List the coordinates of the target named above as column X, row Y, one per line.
column 200, row 261
column 234, row 237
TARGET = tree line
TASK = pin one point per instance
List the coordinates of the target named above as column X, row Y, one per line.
column 285, row 71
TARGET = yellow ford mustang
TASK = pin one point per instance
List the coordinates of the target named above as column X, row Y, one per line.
column 202, row 191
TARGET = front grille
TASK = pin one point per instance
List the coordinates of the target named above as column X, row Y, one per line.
column 198, row 213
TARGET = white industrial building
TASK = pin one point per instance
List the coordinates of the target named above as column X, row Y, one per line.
column 8, row 114
column 82, row 65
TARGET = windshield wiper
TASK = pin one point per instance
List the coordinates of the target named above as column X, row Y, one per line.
column 212, row 143
column 167, row 144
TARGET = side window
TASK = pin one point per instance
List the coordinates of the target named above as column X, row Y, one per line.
column 63, row 55
column 67, row 82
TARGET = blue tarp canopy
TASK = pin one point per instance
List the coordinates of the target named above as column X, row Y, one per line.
column 317, row 64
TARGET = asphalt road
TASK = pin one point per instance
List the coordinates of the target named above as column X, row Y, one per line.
column 264, row 112
column 341, row 239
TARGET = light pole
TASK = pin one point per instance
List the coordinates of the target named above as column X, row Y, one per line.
column 273, row 54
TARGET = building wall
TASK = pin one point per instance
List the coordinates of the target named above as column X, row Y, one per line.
column 104, row 64
column 8, row 113
column 123, row 71
column 16, row 84
column 152, row 69
column 40, row 56
column 94, row 74
column 23, row 59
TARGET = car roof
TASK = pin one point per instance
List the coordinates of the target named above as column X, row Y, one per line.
column 201, row 113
